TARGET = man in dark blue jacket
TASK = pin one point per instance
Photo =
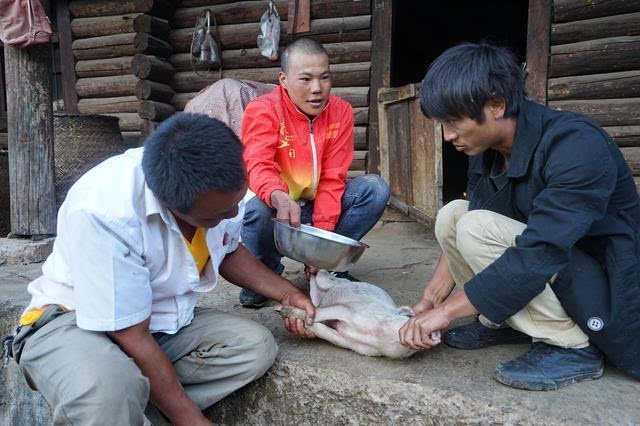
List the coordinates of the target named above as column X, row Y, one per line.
column 547, row 245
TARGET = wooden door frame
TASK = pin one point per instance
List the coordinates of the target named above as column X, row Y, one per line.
column 538, row 41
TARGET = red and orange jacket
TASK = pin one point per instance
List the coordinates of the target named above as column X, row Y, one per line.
column 309, row 159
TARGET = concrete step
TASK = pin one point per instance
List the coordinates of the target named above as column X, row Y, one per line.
column 315, row 383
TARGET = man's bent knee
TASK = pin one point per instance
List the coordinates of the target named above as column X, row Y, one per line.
column 448, row 216
column 261, row 351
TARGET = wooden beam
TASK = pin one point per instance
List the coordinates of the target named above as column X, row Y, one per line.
column 120, row 24
column 152, row 68
column 101, row 87
column 595, row 56
column 632, row 156
column 538, row 28
column 156, row 111
column 128, row 121
column 298, row 17
column 67, row 63
column 576, row 10
column 153, row 91
column 241, row 36
column 624, row 136
column 606, row 112
column 381, row 36
column 108, row 105
column 597, row 86
column 339, row 53
column 91, row 8
column 104, row 67
column 590, row 29
column 30, row 127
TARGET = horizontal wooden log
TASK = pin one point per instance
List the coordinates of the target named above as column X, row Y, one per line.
column 360, row 137
column 576, row 10
column 239, row 36
column 152, row 68
column 632, row 156
column 128, row 121
column 606, row 112
column 360, row 116
column 342, row 75
column 598, row 86
column 595, row 56
column 356, row 96
column 108, row 105
column 195, row 3
column 104, row 67
column 151, row 45
column 4, row 140
column 101, row 87
column 92, row 8
column 154, row 91
column 156, row 111
column 111, row 46
column 121, row 24
column 357, row 165
column 251, row 11
column 132, row 138
column 339, row 53
column 590, row 29
column 355, row 173
column 624, row 135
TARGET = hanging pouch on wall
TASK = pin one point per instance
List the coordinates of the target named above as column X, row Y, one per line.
column 205, row 49
column 269, row 40
column 24, row 23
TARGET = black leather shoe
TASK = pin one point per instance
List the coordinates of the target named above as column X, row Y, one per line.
column 249, row 299
column 546, row 367
column 477, row 336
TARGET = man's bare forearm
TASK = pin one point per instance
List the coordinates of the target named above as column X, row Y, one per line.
column 244, row 269
column 441, row 283
column 166, row 391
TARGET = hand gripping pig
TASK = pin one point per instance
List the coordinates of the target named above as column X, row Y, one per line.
column 357, row 316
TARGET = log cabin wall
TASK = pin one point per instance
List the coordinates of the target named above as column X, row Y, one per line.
column 594, row 67
column 343, row 26
column 120, row 49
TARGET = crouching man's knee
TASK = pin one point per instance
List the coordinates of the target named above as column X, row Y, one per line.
column 260, row 353
column 447, row 218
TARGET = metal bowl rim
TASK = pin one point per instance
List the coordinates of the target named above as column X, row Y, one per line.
column 317, row 232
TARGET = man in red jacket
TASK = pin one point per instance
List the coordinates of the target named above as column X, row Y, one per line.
column 298, row 147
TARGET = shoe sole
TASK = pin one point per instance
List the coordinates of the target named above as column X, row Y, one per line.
column 548, row 385
column 252, row 305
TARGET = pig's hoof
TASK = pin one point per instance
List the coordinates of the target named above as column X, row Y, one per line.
column 290, row 311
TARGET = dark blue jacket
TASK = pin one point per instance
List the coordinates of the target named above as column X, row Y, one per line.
column 567, row 180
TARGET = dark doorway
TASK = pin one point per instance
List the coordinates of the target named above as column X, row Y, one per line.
column 425, row 29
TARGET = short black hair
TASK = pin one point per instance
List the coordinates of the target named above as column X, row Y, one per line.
column 461, row 80
column 189, row 155
column 304, row 45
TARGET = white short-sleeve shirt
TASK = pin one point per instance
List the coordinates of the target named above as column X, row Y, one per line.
column 119, row 256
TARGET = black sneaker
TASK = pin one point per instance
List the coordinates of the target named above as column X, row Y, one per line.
column 545, row 367
column 476, row 336
column 345, row 275
column 249, row 299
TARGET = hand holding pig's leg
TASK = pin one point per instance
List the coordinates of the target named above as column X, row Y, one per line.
column 423, row 330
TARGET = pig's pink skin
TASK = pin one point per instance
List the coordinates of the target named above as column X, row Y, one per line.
column 358, row 316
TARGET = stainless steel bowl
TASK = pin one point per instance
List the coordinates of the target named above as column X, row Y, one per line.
column 317, row 247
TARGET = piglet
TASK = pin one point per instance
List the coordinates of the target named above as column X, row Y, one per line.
column 357, row 316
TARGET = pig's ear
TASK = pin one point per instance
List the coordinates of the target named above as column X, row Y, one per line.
column 406, row 311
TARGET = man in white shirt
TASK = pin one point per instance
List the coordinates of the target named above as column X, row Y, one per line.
column 112, row 322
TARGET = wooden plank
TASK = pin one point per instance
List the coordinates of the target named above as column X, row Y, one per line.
column 342, row 75
column 67, row 63
column 299, row 16
column 399, row 128
column 31, row 178
column 155, row 111
column 90, row 8
column 595, row 56
column 597, row 86
column 100, row 87
column 381, row 37
column 576, row 10
column 104, row 67
column 632, row 156
column 108, row 105
column 356, row 96
column 339, row 53
column 128, row 121
column 241, row 36
column 624, row 136
column 360, row 116
column 120, row 24
column 3, row 105
column 627, row 24
column 538, row 27
column 4, row 140
column 606, row 112
column 360, row 137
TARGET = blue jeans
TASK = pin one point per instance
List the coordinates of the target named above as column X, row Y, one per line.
column 363, row 203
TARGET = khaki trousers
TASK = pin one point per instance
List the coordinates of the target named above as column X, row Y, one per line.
column 472, row 240
column 87, row 380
